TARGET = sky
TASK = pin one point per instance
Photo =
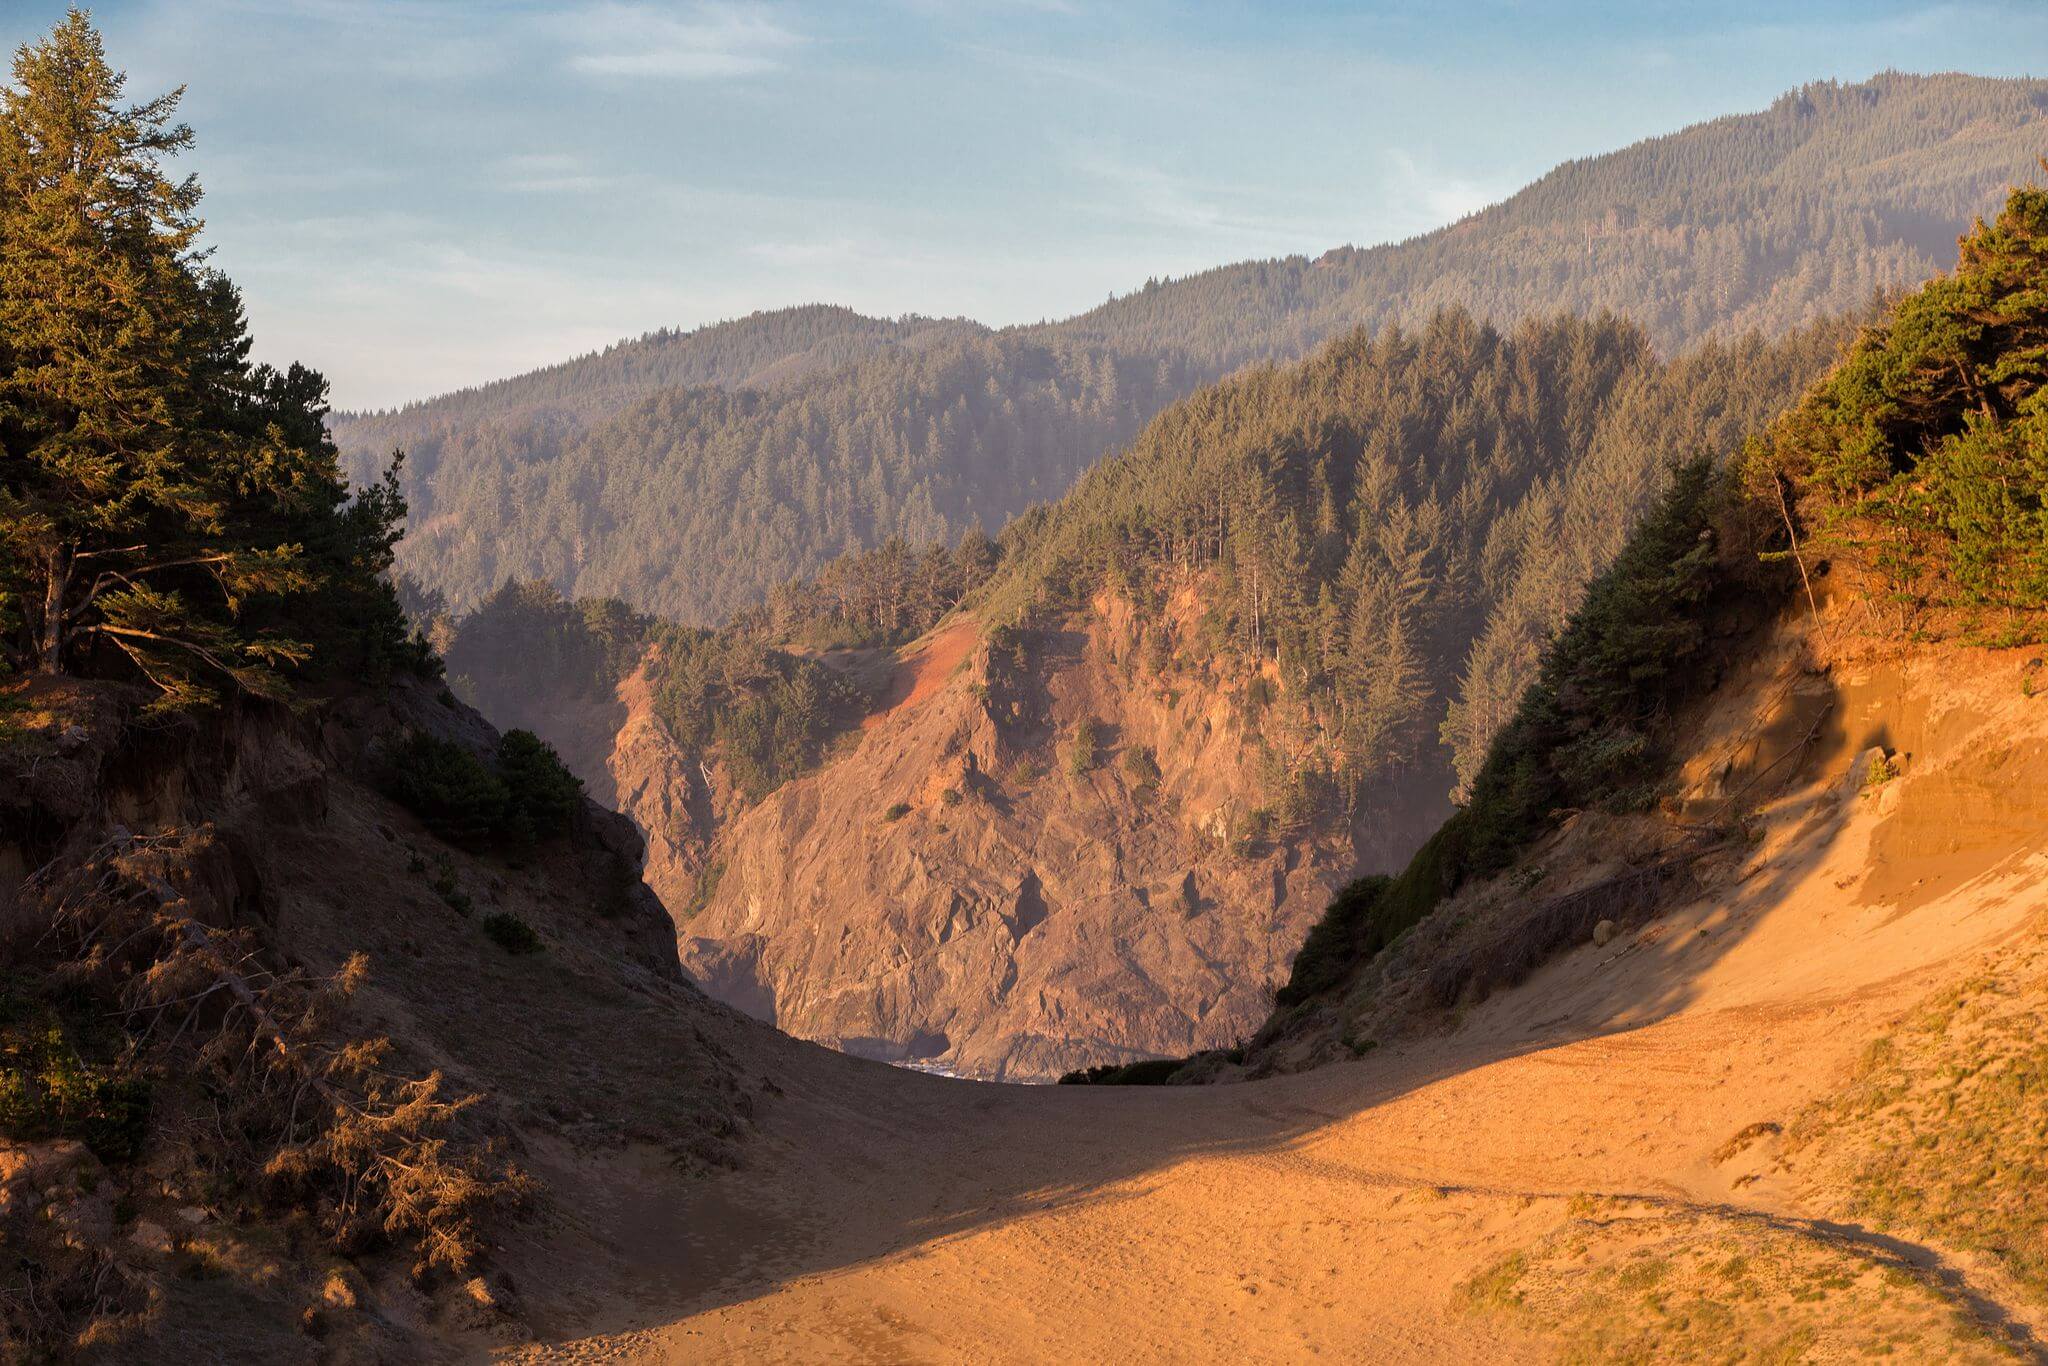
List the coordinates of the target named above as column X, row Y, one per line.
column 417, row 195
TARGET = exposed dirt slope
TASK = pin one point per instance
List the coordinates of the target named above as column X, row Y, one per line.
column 1663, row 1146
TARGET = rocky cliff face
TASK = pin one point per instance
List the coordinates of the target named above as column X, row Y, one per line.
column 966, row 884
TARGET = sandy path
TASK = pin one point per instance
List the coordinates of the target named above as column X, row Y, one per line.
column 886, row 1216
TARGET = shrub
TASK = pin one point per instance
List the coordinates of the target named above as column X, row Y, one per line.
column 1250, row 832
column 896, row 812
column 1084, row 751
column 542, row 795
column 1150, row 1072
column 525, row 794
column 448, row 889
column 1336, row 942
column 447, row 787
column 510, row 933
column 59, row 1078
column 1140, row 766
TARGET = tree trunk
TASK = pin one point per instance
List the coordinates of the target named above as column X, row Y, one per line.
column 56, row 587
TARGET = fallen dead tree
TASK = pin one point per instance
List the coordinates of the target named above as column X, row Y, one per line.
column 258, row 1082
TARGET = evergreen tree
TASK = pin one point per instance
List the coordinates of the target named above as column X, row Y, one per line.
column 160, row 498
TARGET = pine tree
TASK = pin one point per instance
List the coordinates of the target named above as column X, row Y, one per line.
column 159, row 497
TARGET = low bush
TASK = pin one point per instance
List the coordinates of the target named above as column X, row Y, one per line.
column 524, row 794
column 1084, row 751
column 1150, row 1072
column 447, row 786
column 541, row 793
column 510, row 933
column 60, row 1076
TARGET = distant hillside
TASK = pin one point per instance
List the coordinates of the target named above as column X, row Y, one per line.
column 606, row 477
column 1757, row 221
column 1248, row 657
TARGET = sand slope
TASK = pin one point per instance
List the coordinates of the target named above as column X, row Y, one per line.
column 888, row 1216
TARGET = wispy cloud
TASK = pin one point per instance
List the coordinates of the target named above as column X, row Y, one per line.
column 805, row 255
column 1433, row 197
column 703, row 42
column 1150, row 195
column 553, row 173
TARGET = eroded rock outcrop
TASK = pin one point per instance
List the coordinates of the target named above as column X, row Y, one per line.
column 955, row 887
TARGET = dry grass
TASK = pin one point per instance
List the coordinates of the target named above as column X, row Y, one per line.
column 1943, row 1131
column 1622, row 1283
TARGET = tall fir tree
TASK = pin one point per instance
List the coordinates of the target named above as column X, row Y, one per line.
column 160, row 498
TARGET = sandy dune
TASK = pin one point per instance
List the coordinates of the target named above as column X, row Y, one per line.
column 889, row 1216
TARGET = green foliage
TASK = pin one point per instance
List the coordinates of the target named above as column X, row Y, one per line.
column 454, row 794
column 541, row 795
column 1400, row 524
column 60, row 1075
column 527, row 651
column 896, row 812
column 766, row 712
column 1150, row 1072
column 163, row 503
column 1140, row 766
column 447, row 886
column 1084, row 749
column 524, row 795
column 880, row 597
column 1585, row 734
column 1925, row 453
column 510, row 933
column 1335, row 943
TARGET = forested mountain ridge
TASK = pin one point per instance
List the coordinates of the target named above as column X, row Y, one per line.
column 921, row 429
column 1761, row 221
column 1248, row 656
column 763, row 349
column 693, row 503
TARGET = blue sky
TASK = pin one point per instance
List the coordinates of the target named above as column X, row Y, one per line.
column 420, row 194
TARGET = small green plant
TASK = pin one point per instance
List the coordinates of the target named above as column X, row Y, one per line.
column 896, row 812
column 1250, row 832
column 702, row 890
column 446, row 786
column 1084, row 751
column 1140, row 766
column 1881, row 771
column 1026, row 772
column 510, row 933
column 950, row 797
column 1150, row 1072
column 60, row 1076
column 449, row 889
